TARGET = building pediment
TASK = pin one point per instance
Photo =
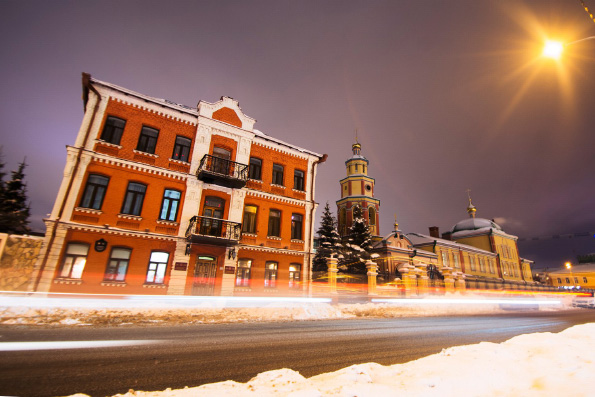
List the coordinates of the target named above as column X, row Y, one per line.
column 228, row 111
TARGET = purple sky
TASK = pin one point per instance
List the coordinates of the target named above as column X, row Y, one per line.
column 445, row 95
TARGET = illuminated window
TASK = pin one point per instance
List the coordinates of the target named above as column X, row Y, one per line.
column 455, row 258
column 277, row 174
column 117, row 265
column 94, row 192
column 444, row 259
column 147, row 140
column 270, row 274
column 482, row 265
column 113, row 129
column 294, row 275
column 249, row 224
column 296, row 226
column 157, row 267
column 170, row 205
column 243, row 273
column 75, row 258
column 274, row 223
column 491, row 264
column 472, row 262
column 181, row 149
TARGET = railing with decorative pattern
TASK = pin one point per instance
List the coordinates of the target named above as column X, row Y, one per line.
column 203, row 229
column 213, row 169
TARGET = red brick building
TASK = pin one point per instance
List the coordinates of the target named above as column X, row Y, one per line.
column 161, row 198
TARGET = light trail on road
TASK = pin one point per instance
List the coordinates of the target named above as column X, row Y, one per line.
column 60, row 345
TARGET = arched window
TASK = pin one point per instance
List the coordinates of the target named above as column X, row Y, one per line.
column 371, row 216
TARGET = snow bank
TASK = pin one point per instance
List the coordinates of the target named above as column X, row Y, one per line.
column 540, row 364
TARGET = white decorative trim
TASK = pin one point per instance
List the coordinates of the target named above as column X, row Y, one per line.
column 106, row 143
column 279, row 186
column 272, row 290
column 255, row 180
column 242, row 289
column 274, row 238
column 59, row 280
column 167, row 223
column 249, row 234
column 274, row 197
column 145, row 153
column 136, row 166
column 298, row 241
column 89, row 210
column 154, row 286
column 119, row 232
column 113, row 284
column 129, row 102
column 179, row 161
column 278, row 148
column 131, row 217
column 298, row 191
column 269, row 249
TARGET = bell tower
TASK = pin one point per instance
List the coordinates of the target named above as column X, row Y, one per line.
column 357, row 189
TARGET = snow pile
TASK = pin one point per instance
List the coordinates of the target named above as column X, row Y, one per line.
column 191, row 310
column 540, row 364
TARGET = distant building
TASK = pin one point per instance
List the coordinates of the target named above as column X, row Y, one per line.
column 580, row 275
column 357, row 189
column 161, row 198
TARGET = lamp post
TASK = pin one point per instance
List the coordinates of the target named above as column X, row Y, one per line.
column 569, row 267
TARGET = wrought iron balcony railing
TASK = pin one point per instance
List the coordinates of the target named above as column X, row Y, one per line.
column 203, row 229
column 213, row 169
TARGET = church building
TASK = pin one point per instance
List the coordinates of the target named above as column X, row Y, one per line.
column 357, row 189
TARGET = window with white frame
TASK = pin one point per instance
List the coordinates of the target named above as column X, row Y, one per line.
column 157, row 267
column 75, row 258
column 117, row 264
column 294, row 275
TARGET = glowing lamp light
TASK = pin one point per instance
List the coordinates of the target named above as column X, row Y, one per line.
column 568, row 265
column 553, row 49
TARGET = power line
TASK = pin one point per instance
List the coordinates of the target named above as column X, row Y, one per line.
column 587, row 9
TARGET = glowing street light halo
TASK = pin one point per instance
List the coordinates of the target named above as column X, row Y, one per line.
column 553, row 49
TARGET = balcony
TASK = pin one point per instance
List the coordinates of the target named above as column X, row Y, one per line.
column 206, row 230
column 222, row 172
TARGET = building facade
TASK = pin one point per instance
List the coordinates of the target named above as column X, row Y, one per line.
column 162, row 198
column 357, row 189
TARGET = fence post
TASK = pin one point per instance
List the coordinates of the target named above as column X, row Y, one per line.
column 372, row 273
column 332, row 274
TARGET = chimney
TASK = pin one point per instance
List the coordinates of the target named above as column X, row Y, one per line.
column 434, row 231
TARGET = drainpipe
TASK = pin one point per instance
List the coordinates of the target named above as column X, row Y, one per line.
column 311, row 240
column 86, row 87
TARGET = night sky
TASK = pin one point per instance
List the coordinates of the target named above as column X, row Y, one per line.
column 446, row 96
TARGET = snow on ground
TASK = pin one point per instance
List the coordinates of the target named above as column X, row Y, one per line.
column 540, row 364
column 68, row 310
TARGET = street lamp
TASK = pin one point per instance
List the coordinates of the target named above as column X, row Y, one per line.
column 553, row 49
column 569, row 267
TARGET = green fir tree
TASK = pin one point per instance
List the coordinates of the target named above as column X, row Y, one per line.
column 329, row 240
column 14, row 209
column 359, row 244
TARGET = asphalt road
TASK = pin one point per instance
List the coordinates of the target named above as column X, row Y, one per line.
column 191, row 355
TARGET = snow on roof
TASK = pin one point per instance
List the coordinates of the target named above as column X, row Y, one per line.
column 194, row 112
column 579, row 268
column 422, row 239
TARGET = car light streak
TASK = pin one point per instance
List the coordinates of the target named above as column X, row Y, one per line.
column 468, row 301
column 60, row 345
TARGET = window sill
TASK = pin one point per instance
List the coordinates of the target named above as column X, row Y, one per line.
column 88, row 210
column 278, row 186
column 130, row 217
column 179, row 161
column 246, row 234
column 255, row 180
column 114, row 283
column 298, row 191
column 106, row 143
column 297, row 241
column 145, row 153
column 273, row 290
column 167, row 223
column 154, row 285
column 274, row 238
column 76, row 281
column 242, row 289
